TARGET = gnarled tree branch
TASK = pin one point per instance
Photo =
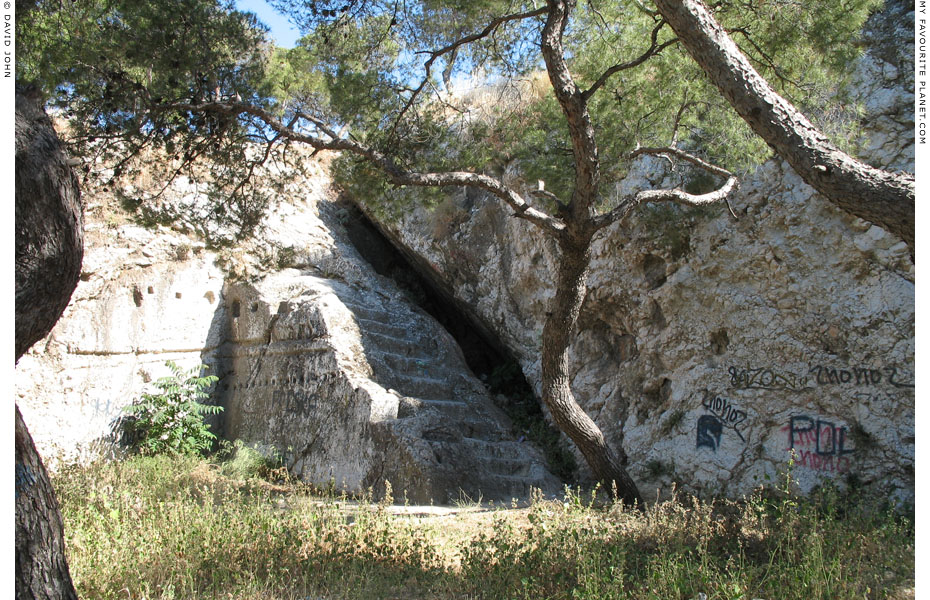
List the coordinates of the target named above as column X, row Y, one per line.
column 676, row 195
column 574, row 107
column 654, row 48
column 394, row 172
column 882, row 197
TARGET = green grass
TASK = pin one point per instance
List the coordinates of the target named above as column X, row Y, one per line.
column 161, row 527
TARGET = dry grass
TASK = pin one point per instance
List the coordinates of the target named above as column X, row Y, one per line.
column 184, row 528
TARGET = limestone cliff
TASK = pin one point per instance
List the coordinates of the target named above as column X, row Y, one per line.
column 320, row 359
column 713, row 346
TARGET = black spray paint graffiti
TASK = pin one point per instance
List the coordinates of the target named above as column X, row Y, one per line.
column 819, row 444
column 723, row 409
column 858, row 376
column 765, row 379
column 709, row 430
column 722, row 414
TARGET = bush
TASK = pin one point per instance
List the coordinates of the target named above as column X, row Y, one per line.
column 237, row 460
column 170, row 421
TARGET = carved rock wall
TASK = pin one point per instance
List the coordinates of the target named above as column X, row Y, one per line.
column 320, row 360
column 710, row 347
column 135, row 308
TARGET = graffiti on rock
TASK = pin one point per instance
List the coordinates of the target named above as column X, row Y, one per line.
column 765, row 378
column 819, row 444
column 709, row 431
column 768, row 378
column 861, row 376
column 106, row 408
column 723, row 409
column 721, row 414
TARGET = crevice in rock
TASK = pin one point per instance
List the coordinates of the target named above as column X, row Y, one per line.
column 719, row 341
column 485, row 355
column 654, row 271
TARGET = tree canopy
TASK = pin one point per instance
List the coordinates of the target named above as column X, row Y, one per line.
column 436, row 85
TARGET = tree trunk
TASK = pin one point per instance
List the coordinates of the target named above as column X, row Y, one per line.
column 882, row 197
column 49, row 250
column 49, row 226
column 558, row 332
column 41, row 568
column 575, row 244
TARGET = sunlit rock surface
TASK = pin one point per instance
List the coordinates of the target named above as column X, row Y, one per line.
column 721, row 350
column 321, row 361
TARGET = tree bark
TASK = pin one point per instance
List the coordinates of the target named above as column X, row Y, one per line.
column 41, row 568
column 49, row 225
column 558, row 332
column 882, row 197
column 49, row 250
column 575, row 244
column 574, row 107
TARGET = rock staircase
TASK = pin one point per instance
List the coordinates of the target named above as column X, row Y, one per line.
column 444, row 410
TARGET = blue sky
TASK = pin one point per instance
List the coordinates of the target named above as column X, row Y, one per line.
column 284, row 34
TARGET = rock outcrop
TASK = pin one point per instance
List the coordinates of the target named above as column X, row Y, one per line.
column 321, row 360
column 712, row 349
column 357, row 386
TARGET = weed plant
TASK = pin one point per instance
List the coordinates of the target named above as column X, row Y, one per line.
column 170, row 418
column 159, row 527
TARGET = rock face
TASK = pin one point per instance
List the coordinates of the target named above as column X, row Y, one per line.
column 322, row 361
column 714, row 349
column 137, row 305
column 356, row 386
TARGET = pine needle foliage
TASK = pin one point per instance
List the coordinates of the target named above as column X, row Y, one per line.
column 114, row 68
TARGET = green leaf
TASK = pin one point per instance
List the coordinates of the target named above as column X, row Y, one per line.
column 172, row 421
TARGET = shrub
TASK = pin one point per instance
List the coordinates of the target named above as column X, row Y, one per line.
column 240, row 461
column 170, row 420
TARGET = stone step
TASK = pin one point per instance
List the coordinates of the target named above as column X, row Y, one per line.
column 414, row 386
column 456, row 421
column 371, row 312
column 508, row 450
column 396, row 369
column 467, row 419
column 423, row 367
column 382, row 329
column 491, row 457
column 452, row 409
column 510, row 466
column 403, row 345
column 448, row 407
